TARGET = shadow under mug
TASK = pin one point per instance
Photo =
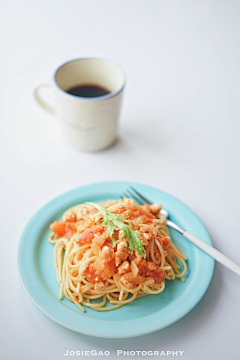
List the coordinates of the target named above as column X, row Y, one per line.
column 88, row 123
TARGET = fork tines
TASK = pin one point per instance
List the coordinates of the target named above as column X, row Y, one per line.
column 136, row 196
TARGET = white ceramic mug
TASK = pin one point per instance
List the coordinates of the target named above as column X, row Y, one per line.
column 88, row 123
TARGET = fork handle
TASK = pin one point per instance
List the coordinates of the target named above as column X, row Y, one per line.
column 224, row 260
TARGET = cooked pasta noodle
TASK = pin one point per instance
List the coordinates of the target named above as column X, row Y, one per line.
column 89, row 267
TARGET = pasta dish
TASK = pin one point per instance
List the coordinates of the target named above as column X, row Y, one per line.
column 115, row 251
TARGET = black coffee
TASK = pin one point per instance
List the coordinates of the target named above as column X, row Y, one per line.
column 88, row 91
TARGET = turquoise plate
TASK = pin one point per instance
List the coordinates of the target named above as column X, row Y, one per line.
column 142, row 316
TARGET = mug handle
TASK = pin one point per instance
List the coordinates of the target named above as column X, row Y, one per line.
column 42, row 83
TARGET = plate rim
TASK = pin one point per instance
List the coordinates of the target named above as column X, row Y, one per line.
column 94, row 333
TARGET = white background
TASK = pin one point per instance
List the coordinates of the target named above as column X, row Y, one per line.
column 179, row 131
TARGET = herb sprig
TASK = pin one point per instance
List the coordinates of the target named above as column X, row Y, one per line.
column 114, row 222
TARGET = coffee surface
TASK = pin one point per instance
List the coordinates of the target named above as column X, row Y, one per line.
column 88, row 91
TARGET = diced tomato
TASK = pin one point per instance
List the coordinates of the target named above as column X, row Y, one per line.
column 88, row 235
column 164, row 241
column 63, row 228
column 109, row 269
column 58, row 227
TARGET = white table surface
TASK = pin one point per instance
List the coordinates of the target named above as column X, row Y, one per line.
column 179, row 131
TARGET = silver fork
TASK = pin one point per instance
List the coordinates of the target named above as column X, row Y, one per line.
column 224, row 260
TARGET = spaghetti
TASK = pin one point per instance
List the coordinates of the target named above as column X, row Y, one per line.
column 92, row 262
